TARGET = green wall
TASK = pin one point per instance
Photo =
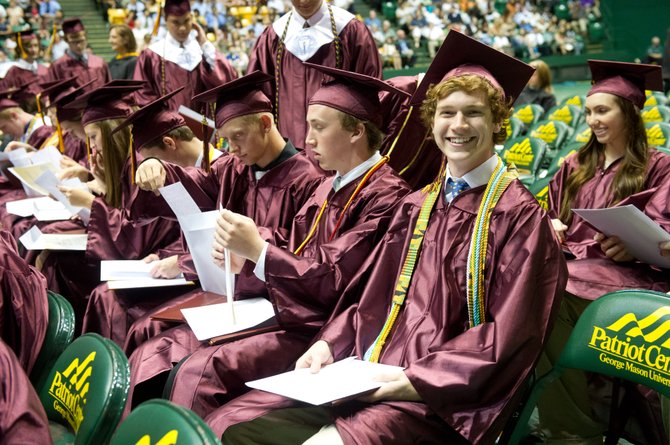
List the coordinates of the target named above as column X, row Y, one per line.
column 630, row 24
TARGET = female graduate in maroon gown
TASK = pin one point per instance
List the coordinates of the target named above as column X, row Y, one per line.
column 616, row 167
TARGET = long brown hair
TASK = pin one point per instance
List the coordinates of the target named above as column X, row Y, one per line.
column 115, row 151
column 630, row 177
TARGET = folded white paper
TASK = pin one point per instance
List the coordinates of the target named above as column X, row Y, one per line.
column 29, row 173
column 639, row 233
column 27, row 207
column 34, row 239
column 139, row 283
column 340, row 380
column 215, row 319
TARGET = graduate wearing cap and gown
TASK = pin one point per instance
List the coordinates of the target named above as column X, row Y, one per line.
column 77, row 62
column 27, row 69
column 111, row 312
column 465, row 350
column 264, row 178
column 23, row 126
column 184, row 57
column 22, row 416
column 331, row 236
column 24, row 310
column 312, row 31
column 111, row 234
column 616, row 151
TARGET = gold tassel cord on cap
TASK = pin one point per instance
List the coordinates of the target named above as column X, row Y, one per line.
column 38, row 99
column 47, row 52
column 205, row 140
column 88, row 153
column 23, row 53
column 157, row 23
column 133, row 159
column 61, row 145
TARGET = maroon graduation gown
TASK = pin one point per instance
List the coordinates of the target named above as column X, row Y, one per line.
column 24, row 310
column 592, row 274
column 201, row 78
column 298, row 83
column 66, row 67
column 467, row 378
column 273, row 201
column 22, row 417
column 304, row 290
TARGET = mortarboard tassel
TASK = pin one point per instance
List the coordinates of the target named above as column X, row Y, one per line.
column 205, row 140
column 157, row 23
column 61, row 146
column 88, row 153
column 24, row 55
column 133, row 159
column 54, row 30
column 38, row 99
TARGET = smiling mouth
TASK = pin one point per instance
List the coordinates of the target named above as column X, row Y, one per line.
column 461, row 140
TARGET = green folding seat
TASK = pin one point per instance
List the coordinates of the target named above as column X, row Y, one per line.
column 515, row 127
column 656, row 98
column 526, row 153
column 85, row 391
column 657, row 113
column 158, row 421
column 529, row 113
column 558, row 159
column 568, row 113
column 60, row 331
column 582, row 134
column 578, row 100
column 554, row 133
column 658, row 134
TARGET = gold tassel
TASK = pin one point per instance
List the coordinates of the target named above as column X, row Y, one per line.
column 61, row 146
column 24, row 55
column 54, row 30
column 38, row 99
column 157, row 23
column 133, row 160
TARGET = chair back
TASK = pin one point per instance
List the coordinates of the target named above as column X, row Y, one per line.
column 568, row 113
column 158, row 421
column 526, row 153
column 578, row 100
column 87, row 389
column 582, row 134
column 529, row 113
column 657, row 113
column 658, row 134
column 515, row 127
column 554, row 133
column 540, row 189
column 567, row 150
column 656, row 98
column 60, row 331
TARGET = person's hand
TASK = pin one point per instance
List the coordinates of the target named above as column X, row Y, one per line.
column 97, row 187
column 98, row 168
column 239, row 234
column 78, row 197
column 166, row 268
column 13, row 145
column 236, row 261
column 559, row 228
column 396, row 387
column 150, row 176
column 151, row 258
column 201, row 37
column 316, row 357
column 665, row 248
column 613, row 248
column 72, row 169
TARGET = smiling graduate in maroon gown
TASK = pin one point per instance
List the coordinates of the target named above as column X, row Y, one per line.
column 467, row 333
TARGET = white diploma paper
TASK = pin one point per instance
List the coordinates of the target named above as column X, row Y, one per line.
column 334, row 382
column 637, row 231
column 215, row 319
column 34, row 239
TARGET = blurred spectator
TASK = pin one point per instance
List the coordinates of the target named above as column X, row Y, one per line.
column 122, row 41
column 14, row 14
column 390, row 54
column 654, row 52
column 372, row 20
column 59, row 47
column 48, row 7
column 539, row 90
column 407, row 55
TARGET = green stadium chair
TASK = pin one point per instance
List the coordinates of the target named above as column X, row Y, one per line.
column 657, row 113
column 515, row 127
column 388, row 11
column 596, row 32
column 576, row 100
column 638, row 319
column 658, row 134
column 85, row 391
column 565, row 151
column 582, row 134
column 159, row 421
column 554, row 133
column 656, row 98
column 526, row 153
column 540, row 189
column 570, row 114
column 529, row 114
column 60, row 331
column 562, row 11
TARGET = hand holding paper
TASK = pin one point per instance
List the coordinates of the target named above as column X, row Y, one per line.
column 239, row 234
column 613, row 248
column 665, row 248
column 150, row 175
column 317, row 356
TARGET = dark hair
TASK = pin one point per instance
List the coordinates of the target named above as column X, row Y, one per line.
column 629, row 178
column 182, row 133
column 374, row 134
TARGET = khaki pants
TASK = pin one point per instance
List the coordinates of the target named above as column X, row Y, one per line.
column 565, row 411
column 308, row 426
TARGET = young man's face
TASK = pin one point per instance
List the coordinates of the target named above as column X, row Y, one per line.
column 330, row 142
column 74, row 128
column 179, row 26
column 246, row 141
column 77, row 42
column 12, row 126
column 306, row 8
column 463, row 129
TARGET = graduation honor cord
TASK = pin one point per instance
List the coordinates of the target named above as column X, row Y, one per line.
column 500, row 179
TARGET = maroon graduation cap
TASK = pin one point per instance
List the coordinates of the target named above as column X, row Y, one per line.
column 239, row 97
column 6, row 100
column 352, row 93
column 625, row 80
column 105, row 102
column 72, row 25
column 152, row 121
column 460, row 55
column 64, row 94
